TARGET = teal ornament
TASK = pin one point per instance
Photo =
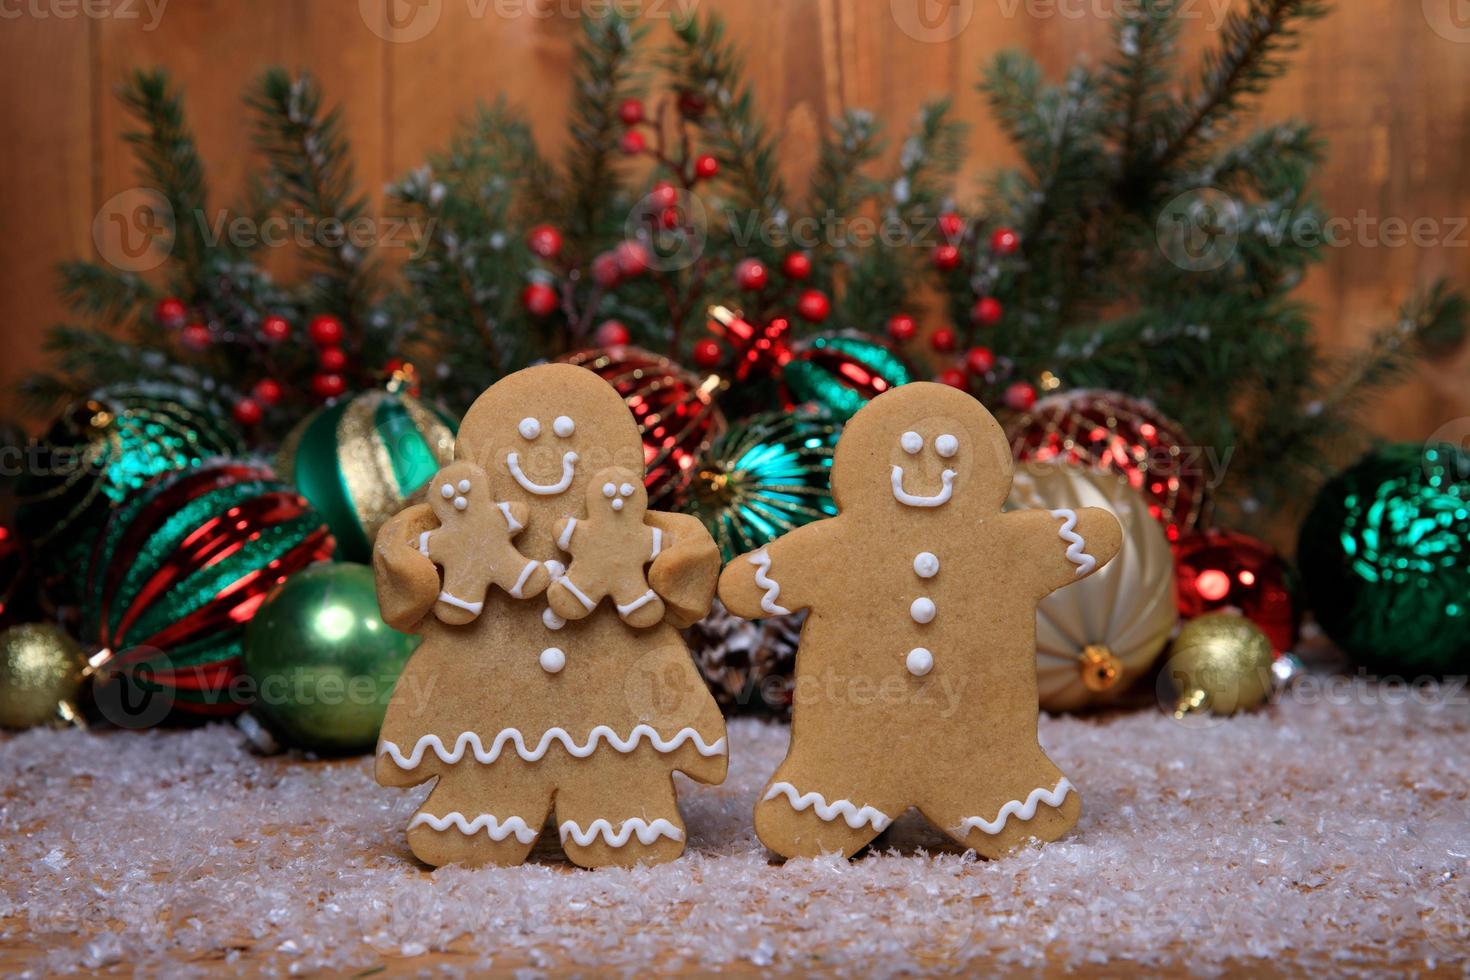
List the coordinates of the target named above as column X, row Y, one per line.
column 841, row 373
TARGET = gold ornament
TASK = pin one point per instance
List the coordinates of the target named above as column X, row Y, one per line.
column 1220, row 663
column 1095, row 638
column 41, row 674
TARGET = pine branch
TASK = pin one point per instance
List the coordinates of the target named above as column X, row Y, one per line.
column 1136, row 78
column 605, row 77
column 839, row 184
column 101, row 292
column 928, row 162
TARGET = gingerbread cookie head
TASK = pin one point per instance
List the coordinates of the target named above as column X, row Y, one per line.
column 617, row 493
column 932, row 447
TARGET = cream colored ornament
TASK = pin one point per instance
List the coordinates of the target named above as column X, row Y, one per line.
column 1094, row 639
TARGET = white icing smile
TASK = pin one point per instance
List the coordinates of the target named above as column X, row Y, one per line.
column 913, row 500
column 568, row 470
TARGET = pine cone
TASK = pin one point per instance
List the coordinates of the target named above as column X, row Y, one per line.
column 749, row 666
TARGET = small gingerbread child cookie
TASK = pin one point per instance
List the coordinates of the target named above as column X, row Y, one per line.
column 473, row 544
column 609, row 548
column 916, row 669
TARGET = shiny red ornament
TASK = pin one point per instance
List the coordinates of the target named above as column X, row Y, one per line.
column 814, row 306
column 708, row 353
column 605, row 270
column 1004, row 241
column 947, row 258
column 761, row 351
column 331, row 359
column 633, row 143
column 328, row 385
column 275, row 329
column 943, row 340
column 196, row 337
column 675, row 411
column 797, row 266
column 751, row 275
column 902, row 327
column 1020, row 396
column 545, row 241
column 1109, row 430
column 631, row 112
column 248, row 412
column 987, row 311
column 979, row 361
column 325, row 330
column 539, row 299
column 1224, row 571
column 633, row 258
column 706, row 167
column 951, row 226
column 267, row 391
column 170, row 313
column 663, row 195
column 955, row 378
column 611, row 333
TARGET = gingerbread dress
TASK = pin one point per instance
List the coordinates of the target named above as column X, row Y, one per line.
column 519, row 714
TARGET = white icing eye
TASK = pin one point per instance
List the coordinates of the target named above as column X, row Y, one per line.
column 609, row 491
column 911, row 442
column 464, row 486
column 446, row 491
column 626, row 489
column 530, row 428
column 946, row 445
column 563, row 426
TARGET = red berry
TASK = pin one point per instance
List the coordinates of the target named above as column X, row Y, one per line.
column 1020, row 396
column 631, row 112
column 612, row 333
column 331, row 359
column 947, row 258
column 706, row 167
column 955, row 378
column 248, row 411
column 539, row 299
column 797, row 265
column 275, row 328
column 605, row 270
column 664, row 195
column 196, row 336
column 979, row 361
column 751, row 275
column 633, row 143
column 814, row 306
column 325, row 330
column 267, row 391
column 951, row 226
column 170, row 312
column 708, row 353
column 901, row 327
column 1004, row 242
column 668, row 218
column 328, row 385
column 692, row 104
column 987, row 311
column 632, row 258
column 943, row 340
column 545, row 241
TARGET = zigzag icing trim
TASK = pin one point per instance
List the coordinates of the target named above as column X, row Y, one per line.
column 471, row 741
column 647, row 832
column 1085, row 563
column 487, row 822
column 762, row 562
column 853, row 815
column 1016, row 808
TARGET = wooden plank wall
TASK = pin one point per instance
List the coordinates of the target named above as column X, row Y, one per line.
column 1387, row 81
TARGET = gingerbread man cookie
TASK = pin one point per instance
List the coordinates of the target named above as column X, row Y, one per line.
column 521, row 714
column 473, row 544
column 916, row 671
column 609, row 548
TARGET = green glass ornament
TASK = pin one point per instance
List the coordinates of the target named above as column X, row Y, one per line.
column 360, row 461
column 841, row 373
column 764, row 477
column 1385, row 559
column 322, row 662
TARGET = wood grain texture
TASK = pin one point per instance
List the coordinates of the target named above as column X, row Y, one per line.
column 1387, row 83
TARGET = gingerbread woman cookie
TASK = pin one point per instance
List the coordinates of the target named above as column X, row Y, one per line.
column 473, row 544
column 916, row 671
column 609, row 549
column 520, row 714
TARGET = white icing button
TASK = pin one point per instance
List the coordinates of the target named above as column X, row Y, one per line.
column 551, row 620
column 563, row 426
column 946, row 445
column 530, row 428
column 553, row 660
column 617, row 505
column 460, row 503
column 609, row 490
column 464, row 486
column 926, row 564
column 911, row 442
column 922, row 610
column 446, row 491
column 919, row 661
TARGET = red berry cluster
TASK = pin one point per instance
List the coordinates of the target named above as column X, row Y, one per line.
column 753, row 276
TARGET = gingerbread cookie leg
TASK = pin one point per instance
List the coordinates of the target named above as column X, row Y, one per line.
column 479, row 815
column 619, row 809
column 639, row 607
column 996, row 816
column 812, row 806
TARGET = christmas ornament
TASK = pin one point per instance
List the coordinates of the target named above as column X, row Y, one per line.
column 675, row 411
column 1004, row 241
column 325, row 330
column 1385, row 559
column 1223, row 571
column 987, row 311
column 764, row 477
column 359, row 462
column 1123, row 435
column 41, row 675
column 843, row 372
column 1095, row 638
column 748, row 665
column 321, row 660
column 180, row 567
column 1219, row 664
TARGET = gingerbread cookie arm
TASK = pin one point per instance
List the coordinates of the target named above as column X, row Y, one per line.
column 686, row 566
column 408, row 582
column 771, row 581
column 1068, row 545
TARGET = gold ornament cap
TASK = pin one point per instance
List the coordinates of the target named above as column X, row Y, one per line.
column 1099, row 668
